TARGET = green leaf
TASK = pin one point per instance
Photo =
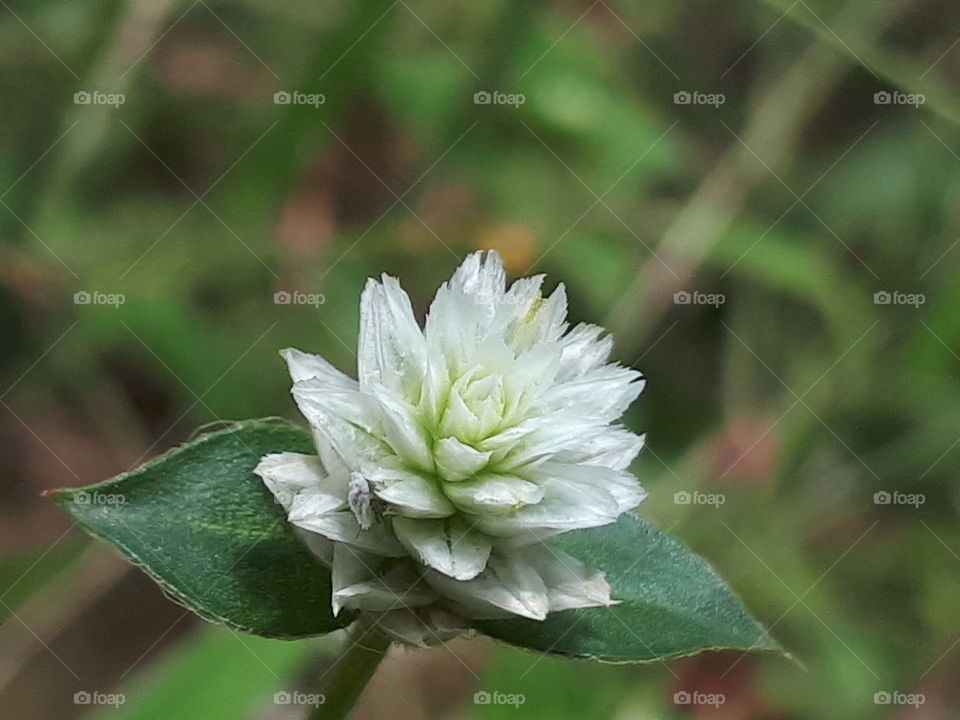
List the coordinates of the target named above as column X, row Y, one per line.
column 207, row 530
column 671, row 603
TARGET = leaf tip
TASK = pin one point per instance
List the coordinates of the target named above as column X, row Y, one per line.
column 57, row 495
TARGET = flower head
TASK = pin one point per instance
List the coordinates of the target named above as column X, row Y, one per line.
column 460, row 449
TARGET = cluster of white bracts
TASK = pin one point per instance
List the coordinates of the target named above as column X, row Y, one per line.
column 459, row 450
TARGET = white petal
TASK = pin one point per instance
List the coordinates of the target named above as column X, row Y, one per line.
column 481, row 275
column 404, row 432
column 507, row 440
column 565, row 506
column 456, row 460
column 508, row 584
column 312, row 503
column 583, row 349
column 288, row 474
column 343, row 422
column 349, row 568
column 544, row 322
column 342, row 527
column 593, row 479
column 422, row 627
column 436, row 385
column 562, row 438
column 411, row 495
column 449, row 546
column 514, row 305
column 464, row 309
column 304, row 366
column 537, row 439
column 391, row 349
column 493, row 494
column 602, row 394
column 458, row 418
column 613, row 447
column 570, row 583
column 524, row 538
column 365, row 582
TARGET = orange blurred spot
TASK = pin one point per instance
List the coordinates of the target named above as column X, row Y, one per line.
column 516, row 243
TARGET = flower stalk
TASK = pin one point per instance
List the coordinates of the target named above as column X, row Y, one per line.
column 343, row 682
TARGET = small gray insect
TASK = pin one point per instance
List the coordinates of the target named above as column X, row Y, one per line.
column 360, row 500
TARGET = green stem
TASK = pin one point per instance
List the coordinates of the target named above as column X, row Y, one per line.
column 344, row 681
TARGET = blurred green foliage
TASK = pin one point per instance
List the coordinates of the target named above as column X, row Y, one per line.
column 798, row 199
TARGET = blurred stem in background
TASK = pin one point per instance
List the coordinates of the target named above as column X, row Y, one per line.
column 899, row 70
column 57, row 605
column 766, row 145
column 126, row 34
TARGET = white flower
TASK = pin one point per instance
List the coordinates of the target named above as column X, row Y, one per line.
column 461, row 447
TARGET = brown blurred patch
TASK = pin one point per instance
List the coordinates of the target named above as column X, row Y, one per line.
column 43, row 448
column 307, row 222
column 39, row 286
column 516, row 243
column 447, row 211
column 724, row 675
column 744, row 452
column 201, row 67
